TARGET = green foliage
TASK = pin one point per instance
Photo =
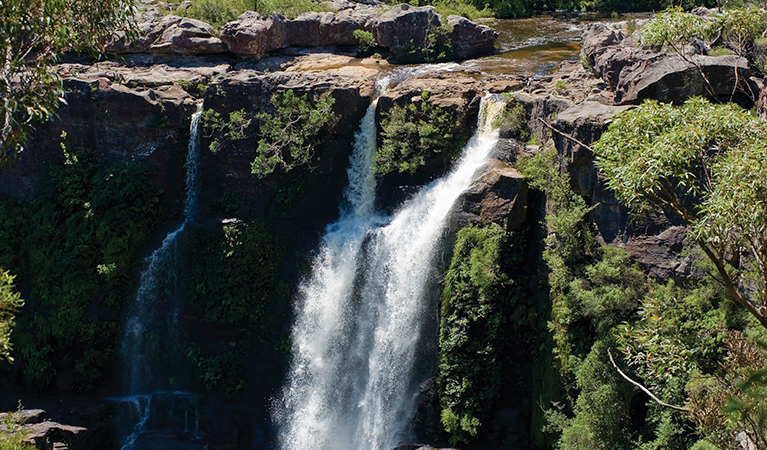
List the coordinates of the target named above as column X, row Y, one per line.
column 236, row 286
column 365, row 38
column 34, row 34
column 219, row 12
column 414, row 133
column 674, row 26
column 514, row 121
column 13, row 437
column 236, row 274
column 561, row 86
column 742, row 27
column 220, row 369
column 10, row 302
column 662, row 156
column 224, row 131
column 74, row 247
column 437, row 47
column 290, row 134
column 198, row 89
column 461, row 8
column 479, row 311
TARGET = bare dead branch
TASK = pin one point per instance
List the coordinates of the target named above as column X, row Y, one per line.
column 644, row 389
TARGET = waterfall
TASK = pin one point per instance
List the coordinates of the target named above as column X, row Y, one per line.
column 361, row 314
column 137, row 354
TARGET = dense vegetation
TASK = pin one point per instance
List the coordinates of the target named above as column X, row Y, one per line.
column 74, row 247
column 288, row 133
column 238, row 291
column 414, row 133
column 485, row 321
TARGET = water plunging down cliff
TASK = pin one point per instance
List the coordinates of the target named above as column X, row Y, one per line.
column 363, row 315
column 139, row 355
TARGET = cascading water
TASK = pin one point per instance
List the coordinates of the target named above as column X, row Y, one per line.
column 361, row 314
column 137, row 353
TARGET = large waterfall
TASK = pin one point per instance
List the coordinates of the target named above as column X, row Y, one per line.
column 361, row 314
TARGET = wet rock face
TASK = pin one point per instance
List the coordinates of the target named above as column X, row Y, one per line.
column 636, row 74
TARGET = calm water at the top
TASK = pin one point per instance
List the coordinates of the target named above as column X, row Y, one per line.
column 532, row 46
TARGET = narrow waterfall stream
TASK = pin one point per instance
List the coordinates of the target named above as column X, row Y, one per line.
column 138, row 353
column 361, row 314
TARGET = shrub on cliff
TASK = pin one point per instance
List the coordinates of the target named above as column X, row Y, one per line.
column 289, row 132
column 715, row 155
column 414, row 133
column 74, row 247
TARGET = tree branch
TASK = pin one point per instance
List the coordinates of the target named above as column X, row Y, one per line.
column 644, row 389
column 566, row 136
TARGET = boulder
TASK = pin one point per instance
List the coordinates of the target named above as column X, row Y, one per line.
column 255, row 35
column 470, row 40
column 672, row 79
column 187, row 37
column 404, row 24
column 171, row 34
column 326, row 29
column 498, row 195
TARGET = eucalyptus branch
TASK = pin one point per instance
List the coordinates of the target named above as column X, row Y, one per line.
column 644, row 389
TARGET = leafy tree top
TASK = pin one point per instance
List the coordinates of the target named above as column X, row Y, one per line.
column 33, row 35
column 708, row 165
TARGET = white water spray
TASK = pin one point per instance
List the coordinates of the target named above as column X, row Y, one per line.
column 361, row 315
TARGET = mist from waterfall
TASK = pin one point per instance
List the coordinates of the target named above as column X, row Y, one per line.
column 361, row 315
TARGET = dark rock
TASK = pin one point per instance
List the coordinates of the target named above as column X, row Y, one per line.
column 499, row 195
column 659, row 255
column 121, row 123
column 404, row 24
column 471, row 40
column 586, row 122
column 186, row 36
column 255, row 35
column 541, row 108
column 672, row 79
column 636, row 73
column 172, row 34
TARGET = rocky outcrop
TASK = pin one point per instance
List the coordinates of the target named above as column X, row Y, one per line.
column 172, row 34
column 635, row 73
column 405, row 24
column 255, row 35
column 43, row 433
column 470, row 39
column 499, row 195
column 252, row 35
column 138, row 121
